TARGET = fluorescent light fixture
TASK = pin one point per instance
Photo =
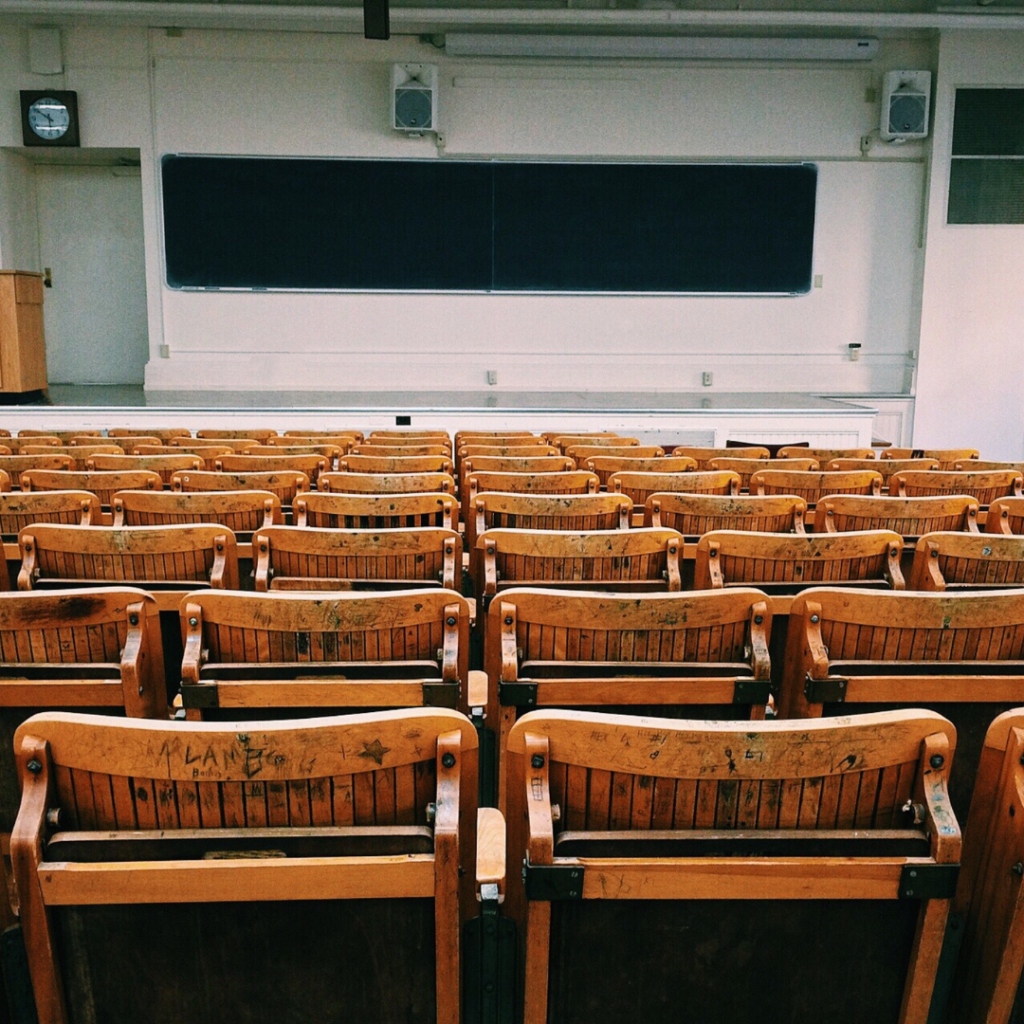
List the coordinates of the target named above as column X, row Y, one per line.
column 494, row 44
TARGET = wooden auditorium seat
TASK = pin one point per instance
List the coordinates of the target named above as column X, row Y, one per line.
column 702, row 455
column 22, row 508
column 987, row 906
column 478, row 464
column 402, row 435
column 984, row 487
column 849, row 652
column 967, row 561
column 126, row 442
column 208, row 453
column 165, row 465
column 342, row 444
column 624, row 561
column 574, row 482
column 406, row 648
column 813, row 485
column 1005, row 515
column 640, row 486
column 579, row 453
column 988, row 464
column 497, row 437
column 783, row 564
column 947, row 458
column 63, row 435
column 746, row 468
column 703, row 655
column 713, row 872
column 355, row 435
column 404, row 451
column 887, row 467
column 497, row 510
column 235, row 445
column 314, row 558
column 15, row 465
column 386, row 483
column 330, row 452
column 163, row 433
column 15, row 444
column 164, row 560
column 909, row 517
column 311, row 465
column 267, row 862
column 284, row 485
column 259, row 434
column 78, row 454
column 825, row 455
column 375, row 511
column 103, row 483
column 564, row 441
column 396, row 464
column 240, row 511
column 605, row 465
column 696, row 514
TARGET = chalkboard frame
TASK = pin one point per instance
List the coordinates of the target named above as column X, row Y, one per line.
column 472, row 229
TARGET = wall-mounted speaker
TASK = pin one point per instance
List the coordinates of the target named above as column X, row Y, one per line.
column 414, row 98
column 905, row 104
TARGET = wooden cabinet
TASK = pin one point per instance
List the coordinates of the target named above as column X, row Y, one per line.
column 22, row 346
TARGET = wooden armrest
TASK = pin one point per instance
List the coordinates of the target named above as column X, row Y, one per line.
column 490, row 850
column 476, row 689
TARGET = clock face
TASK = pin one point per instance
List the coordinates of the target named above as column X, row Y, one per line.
column 49, row 118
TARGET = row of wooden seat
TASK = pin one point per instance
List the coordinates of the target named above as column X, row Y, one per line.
column 304, row 557
column 659, row 857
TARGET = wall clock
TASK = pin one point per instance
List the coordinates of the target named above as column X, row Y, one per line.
column 49, row 117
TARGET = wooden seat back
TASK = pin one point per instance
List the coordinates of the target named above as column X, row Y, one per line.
column 400, row 451
column 497, row 437
column 579, row 453
column 630, row 561
column 887, row 467
column 103, row 483
column 235, row 445
column 1005, row 515
column 986, row 984
column 312, row 558
column 495, row 510
column 550, row 435
column 640, row 486
column 356, row 435
column 470, row 467
column 396, row 464
column 746, row 468
column 240, row 511
column 222, row 840
column 63, row 435
column 22, row 508
column 851, row 652
column 208, row 453
column 513, row 450
column 164, row 465
column 784, row 563
column 260, row 435
column 909, row 517
column 284, row 485
column 988, row 464
column 403, row 648
column 564, row 441
column 15, row 444
column 126, row 443
column 719, row 832
column 574, row 482
column 946, row 457
column 605, row 465
column 155, row 557
column 310, row 465
column 812, row 486
column 386, row 483
column 330, row 452
column 400, row 436
column 703, row 455
column 376, row 511
column 697, row 514
column 984, row 487
column 825, row 455
column 15, row 465
column 964, row 561
column 702, row 655
column 163, row 433
column 5, row 482
column 79, row 454
column 321, row 444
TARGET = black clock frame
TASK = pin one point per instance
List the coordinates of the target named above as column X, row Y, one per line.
column 68, row 98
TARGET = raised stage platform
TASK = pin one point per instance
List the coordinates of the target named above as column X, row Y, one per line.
column 680, row 418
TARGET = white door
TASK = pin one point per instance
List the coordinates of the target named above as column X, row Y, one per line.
column 91, row 238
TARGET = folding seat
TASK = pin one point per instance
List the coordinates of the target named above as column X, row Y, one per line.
column 967, row 561
column 375, row 511
column 814, row 485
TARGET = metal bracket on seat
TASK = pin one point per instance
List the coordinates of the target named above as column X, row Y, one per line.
column 547, row 882
column 928, row 881
column 825, row 691
column 440, row 695
column 519, row 695
column 751, row 691
column 200, row 695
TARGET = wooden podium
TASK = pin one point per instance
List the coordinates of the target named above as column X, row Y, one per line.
column 22, row 346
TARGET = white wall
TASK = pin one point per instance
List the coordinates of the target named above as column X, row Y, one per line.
column 252, row 92
column 971, row 378
column 19, row 241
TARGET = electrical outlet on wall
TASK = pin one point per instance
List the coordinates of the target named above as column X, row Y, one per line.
column 707, row 378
